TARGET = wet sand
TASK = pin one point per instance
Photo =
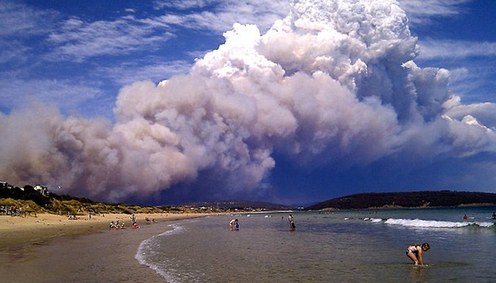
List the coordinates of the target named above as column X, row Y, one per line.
column 50, row 248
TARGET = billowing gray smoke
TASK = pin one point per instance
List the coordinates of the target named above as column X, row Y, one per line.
column 332, row 83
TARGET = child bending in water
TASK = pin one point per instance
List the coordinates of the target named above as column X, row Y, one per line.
column 415, row 251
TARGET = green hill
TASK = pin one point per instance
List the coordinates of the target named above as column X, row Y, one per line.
column 407, row 199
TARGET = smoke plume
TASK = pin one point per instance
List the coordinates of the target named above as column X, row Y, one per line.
column 334, row 82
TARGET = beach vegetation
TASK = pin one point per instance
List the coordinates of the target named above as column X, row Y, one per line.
column 38, row 199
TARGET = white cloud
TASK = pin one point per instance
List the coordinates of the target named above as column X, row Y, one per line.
column 422, row 12
column 453, row 49
column 473, row 83
column 221, row 15
column 14, row 52
column 470, row 65
column 483, row 112
column 182, row 4
column 19, row 24
column 67, row 95
column 128, row 73
column 19, row 20
column 75, row 39
column 79, row 40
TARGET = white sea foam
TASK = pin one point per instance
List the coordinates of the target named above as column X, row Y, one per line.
column 419, row 223
column 373, row 220
column 485, row 224
column 147, row 247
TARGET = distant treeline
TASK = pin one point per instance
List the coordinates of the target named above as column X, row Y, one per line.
column 35, row 200
column 29, row 200
column 407, row 199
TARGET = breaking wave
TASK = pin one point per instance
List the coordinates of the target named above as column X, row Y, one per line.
column 419, row 223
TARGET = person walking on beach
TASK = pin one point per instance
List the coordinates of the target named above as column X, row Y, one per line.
column 415, row 252
column 292, row 225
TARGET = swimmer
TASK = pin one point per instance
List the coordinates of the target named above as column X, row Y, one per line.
column 415, row 251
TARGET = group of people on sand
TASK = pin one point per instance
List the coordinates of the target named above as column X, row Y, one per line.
column 11, row 210
column 115, row 225
column 72, row 216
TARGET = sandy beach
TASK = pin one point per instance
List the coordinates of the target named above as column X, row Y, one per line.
column 51, row 248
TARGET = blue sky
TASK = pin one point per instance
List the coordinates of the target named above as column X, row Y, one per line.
column 78, row 61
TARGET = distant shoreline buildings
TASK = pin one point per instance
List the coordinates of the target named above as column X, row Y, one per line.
column 43, row 190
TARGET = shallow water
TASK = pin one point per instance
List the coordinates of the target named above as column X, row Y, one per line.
column 345, row 246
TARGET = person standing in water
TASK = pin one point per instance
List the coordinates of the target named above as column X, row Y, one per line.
column 234, row 225
column 415, row 252
column 292, row 225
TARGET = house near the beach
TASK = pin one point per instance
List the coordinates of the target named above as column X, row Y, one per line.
column 39, row 188
column 5, row 185
column 43, row 190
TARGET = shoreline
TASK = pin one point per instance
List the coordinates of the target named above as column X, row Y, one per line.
column 51, row 248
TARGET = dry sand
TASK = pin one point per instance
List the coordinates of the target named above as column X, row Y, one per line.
column 51, row 248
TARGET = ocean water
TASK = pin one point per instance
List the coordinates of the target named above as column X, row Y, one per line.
column 343, row 246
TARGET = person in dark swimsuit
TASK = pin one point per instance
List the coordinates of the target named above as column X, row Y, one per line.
column 415, row 252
